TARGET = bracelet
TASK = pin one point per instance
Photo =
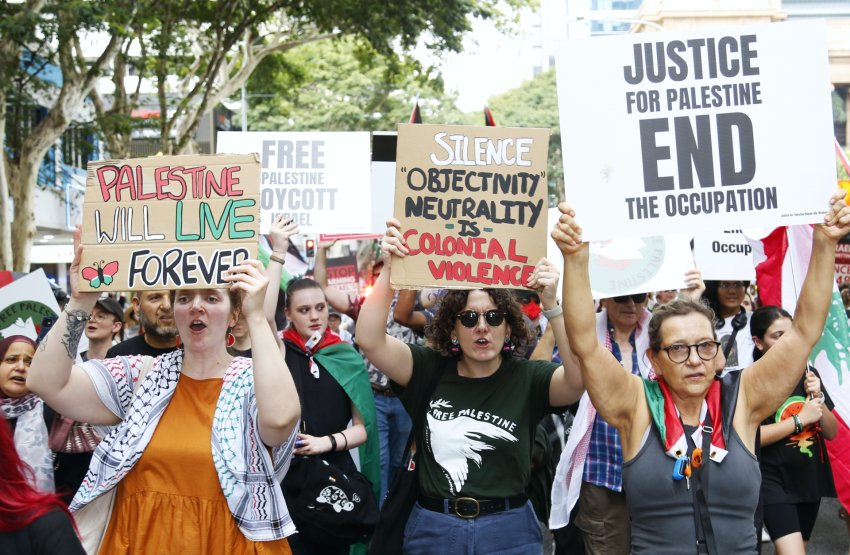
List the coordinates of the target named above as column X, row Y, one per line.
column 344, row 447
column 798, row 424
column 333, row 442
column 277, row 258
column 553, row 312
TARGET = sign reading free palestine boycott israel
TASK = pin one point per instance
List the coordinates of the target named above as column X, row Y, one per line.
column 685, row 132
column 168, row 222
column 320, row 180
column 472, row 205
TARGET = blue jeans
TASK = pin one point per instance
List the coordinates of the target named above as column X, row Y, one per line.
column 514, row 532
column 393, row 431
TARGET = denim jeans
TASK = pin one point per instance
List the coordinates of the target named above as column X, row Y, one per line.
column 514, row 532
column 393, row 431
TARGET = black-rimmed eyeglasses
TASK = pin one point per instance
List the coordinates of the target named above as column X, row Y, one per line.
column 679, row 352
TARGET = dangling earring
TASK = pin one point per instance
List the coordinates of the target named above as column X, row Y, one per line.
column 508, row 347
column 230, row 338
column 455, row 348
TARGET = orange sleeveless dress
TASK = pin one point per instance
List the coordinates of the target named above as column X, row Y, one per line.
column 171, row 501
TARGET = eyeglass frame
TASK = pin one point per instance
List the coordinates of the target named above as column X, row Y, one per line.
column 716, row 344
column 731, row 284
column 101, row 317
column 623, row 299
column 501, row 313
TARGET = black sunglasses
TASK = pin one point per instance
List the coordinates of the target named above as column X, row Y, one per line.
column 470, row 318
column 639, row 298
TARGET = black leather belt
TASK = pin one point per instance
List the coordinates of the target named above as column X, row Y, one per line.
column 388, row 392
column 469, row 507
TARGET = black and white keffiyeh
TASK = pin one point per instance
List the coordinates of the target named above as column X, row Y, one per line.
column 248, row 477
column 31, row 436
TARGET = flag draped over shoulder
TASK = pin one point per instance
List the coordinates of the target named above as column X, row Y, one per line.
column 781, row 259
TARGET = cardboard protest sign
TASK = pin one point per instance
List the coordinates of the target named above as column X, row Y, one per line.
column 320, row 180
column 472, row 204
column 24, row 303
column 343, row 275
column 168, row 222
column 842, row 261
column 631, row 265
column 693, row 131
column 724, row 255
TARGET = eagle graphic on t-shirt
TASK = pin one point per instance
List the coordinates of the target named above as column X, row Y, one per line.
column 456, row 441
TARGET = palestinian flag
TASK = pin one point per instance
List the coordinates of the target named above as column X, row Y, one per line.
column 489, row 121
column 416, row 115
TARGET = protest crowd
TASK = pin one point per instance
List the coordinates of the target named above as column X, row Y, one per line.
column 473, row 393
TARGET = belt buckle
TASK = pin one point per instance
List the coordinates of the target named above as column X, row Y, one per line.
column 470, row 500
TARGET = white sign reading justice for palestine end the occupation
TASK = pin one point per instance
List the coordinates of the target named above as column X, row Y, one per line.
column 697, row 131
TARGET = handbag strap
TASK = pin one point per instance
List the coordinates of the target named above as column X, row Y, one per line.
column 738, row 323
column 702, row 519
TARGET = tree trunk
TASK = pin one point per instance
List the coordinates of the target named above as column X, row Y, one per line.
column 6, row 259
column 23, row 176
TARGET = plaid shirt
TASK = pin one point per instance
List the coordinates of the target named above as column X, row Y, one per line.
column 604, row 464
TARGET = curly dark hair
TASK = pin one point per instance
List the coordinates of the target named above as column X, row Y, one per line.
column 439, row 332
column 678, row 307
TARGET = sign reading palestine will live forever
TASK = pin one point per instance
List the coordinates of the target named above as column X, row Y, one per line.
column 168, row 222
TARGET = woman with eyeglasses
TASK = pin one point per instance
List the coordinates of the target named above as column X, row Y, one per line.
column 794, row 465
column 726, row 298
column 474, row 450
column 688, row 438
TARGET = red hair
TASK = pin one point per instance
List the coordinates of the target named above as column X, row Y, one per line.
column 20, row 503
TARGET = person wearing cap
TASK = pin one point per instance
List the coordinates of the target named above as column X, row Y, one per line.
column 105, row 325
column 334, row 321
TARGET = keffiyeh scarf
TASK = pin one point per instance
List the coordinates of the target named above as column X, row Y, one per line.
column 31, row 436
column 247, row 475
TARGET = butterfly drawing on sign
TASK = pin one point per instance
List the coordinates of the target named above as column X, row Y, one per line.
column 100, row 274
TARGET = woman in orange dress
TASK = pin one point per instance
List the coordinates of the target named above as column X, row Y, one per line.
column 200, row 438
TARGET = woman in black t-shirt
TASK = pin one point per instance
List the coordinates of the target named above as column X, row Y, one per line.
column 794, row 464
column 481, row 407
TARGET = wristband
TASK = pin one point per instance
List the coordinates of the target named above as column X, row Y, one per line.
column 553, row 312
column 798, row 424
column 333, row 442
column 277, row 258
column 344, row 447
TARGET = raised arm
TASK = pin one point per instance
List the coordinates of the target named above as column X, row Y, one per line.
column 694, row 286
column 278, row 408
column 566, row 385
column 53, row 376
column 764, row 387
column 404, row 312
column 279, row 234
column 388, row 354
column 615, row 393
column 337, row 299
